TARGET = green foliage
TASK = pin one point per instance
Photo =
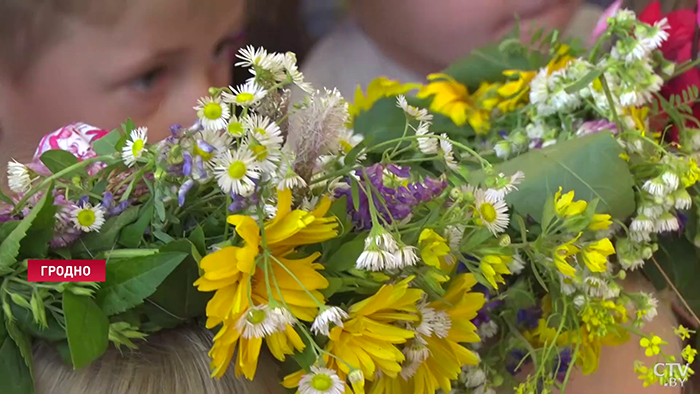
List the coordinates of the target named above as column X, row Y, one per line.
column 57, row 160
column 36, row 243
column 87, row 328
column 107, row 145
column 15, row 376
column 23, row 342
column 590, row 166
column 346, row 256
column 10, row 246
column 129, row 281
column 132, row 234
column 106, row 239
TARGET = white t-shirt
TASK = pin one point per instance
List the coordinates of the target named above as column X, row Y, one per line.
column 347, row 57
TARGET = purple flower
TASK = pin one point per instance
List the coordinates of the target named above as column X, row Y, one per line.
column 596, row 126
column 182, row 192
column 205, row 147
column 107, row 200
column 563, row 364
column 201, row 172
column 529, row 317
column 516, row 359
column 187, row 164
column 401, row 172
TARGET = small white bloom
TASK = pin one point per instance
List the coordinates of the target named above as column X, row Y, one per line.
column 671, row 180
column 656, row 187
column 656, row 35
column 321, row 381
column 454, row 235
column 666, row 222
column 416, row 352
column 427, row 143
column 649, row 308
column 652, row 211
column 257, row 57
column 289, row 61
column 347, row 139
column 539, row 91
column 135, row 146
column 328, row 315
column 493, row 215
column 375, row 259
column 682, row 199
column 567, row 286
column 473, row 376
column 642, row 224
column 446, row 147
column 264, row 130
column 516, row 265
column 640, row 236
column 405, row 256
column 420, row 114
column 488, row 330
column 408, row 369
column 432, row 322
column 579, row 301
column 503, row 149
column 213, row 113
column 258, row 322
column 245, row 95
column 504, row 187
column 18, row 177
column 236, row 171
column 88, row 218
column 288, row 179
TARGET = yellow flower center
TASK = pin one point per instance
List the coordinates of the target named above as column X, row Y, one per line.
column 260, row 131
column 137, row 148
column 86, row 217
column 345, row 146
column 321, row 382
column 212, row 111
column 256, row 316
column 237, row 170
column 260, row 152
column 488, row 212
column 235, row 128
column 244, row 97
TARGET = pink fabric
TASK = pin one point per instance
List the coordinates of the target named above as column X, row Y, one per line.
column 603, row 21
column 76, row 138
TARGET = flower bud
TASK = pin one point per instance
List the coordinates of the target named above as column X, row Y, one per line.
column 19, row 300
column 504, row 240
column 356, row 376
column 622, row 274
column 455, row 194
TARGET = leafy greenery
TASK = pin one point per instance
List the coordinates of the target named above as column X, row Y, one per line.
column 15, row 375
column 106, row 239
column 10, row 246
column 87, row 328
column 57, row 160
column 132, row 234
column 107, row 144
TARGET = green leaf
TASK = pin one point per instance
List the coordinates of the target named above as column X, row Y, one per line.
column 162, row 236
column 383, row 122
column 25, row 321
column 129, row 281
column 590, row 166
column 355, row 193
column 352, row 155
column 4, row 198
column 487, row 64
column 584, row 81
column 9, row 248
column 679, row 260
column 346, row 256
column 107, row 145
column 307, row 357
column 16, row 378
column 132, row 234
column 57, row 160
column 198, row 240
column 22, row 341
column 334, row 284
column 91, row 243
column 177, row 294
column 475, row 239
column 87, row 328
column 36, row 243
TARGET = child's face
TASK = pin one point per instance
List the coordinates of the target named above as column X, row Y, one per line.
column 151, row 65
column 427, row 35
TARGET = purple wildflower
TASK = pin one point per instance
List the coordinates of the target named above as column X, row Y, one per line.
column 205, row 147
column 187, row 164
column 401, row 172
column 182, row 192
column 529, row 317
column 563, row 363
column 200, row 171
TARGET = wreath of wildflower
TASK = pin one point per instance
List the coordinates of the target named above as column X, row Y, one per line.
column 425, row 238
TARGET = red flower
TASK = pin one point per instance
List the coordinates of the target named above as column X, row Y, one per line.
column 678, row 49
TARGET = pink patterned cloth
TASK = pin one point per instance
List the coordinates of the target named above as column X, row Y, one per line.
column 76, row 138
column 603, row 21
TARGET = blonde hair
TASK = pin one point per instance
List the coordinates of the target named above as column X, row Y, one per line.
column 171, row 361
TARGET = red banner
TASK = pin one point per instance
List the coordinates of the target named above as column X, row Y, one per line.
column 66, row 270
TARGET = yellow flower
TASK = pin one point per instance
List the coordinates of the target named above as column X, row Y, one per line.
column 446, row 356
column 288, row 229
column 377, row 89
column 515, row 92
column 692, row 174
column 600, row 222
column 433, row 249
column 645, row 374
column 367, row 341
column 652, row 345
column 566, row 207
column 560, row 60
column 562, row 254
column 682, row 332
column 595, row 254
column 494, row 267
column 485, row 99
column 689, row 354
column 640, row 116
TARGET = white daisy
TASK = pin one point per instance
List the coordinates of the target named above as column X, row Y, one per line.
column 650, row 210
column 18, row 177
column 288, row 179
column 245, row 95
column 408, row 369
column 210, row 143
column 257, row 322
column 580, row 301
column 493, row 215
column 264, row 129
column 405, row 256
column 517, row 264
column 671, row 180
column 421, row 114
column 289, row 61
column 484, row 390
column 488, row 329
column 656, row 187
column 375, row 259
column 328, row 315
column 347, row 139
column 656, row 35
column 666, row 222
column 682, row 199
column 267, row 157
column 446, row 147
column 257, row 57
column 427, row 143
column 236, row 171
column 503, row 149
column 473, row 376
column 321, row 381
column 212, row 113
column 566, row 283
column 642, row 223
column 539, row 91
column 235, row 127
column 135, row 146
column 283, row 317
column 88, row 218
column 504, row 186
column 649, row 311
column 432, row 322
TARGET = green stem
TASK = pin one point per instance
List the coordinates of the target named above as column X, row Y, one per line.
column 297, row 280
column 128, row 253
column 611, row 103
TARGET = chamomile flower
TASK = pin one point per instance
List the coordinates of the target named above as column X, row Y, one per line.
column 267, row 156
column 235, row 172
column 651, row 210
column 671, row 180
column 416, row 352
column 88, row 218
column 642, row 223
column 256, row 57
column 321, row 381
column 432, row 322
column 135, row 146
column 427, row 143
column 245, row 95
column 405, row 256
column 640, row 236
column 504, row 186
column 289, row 62
column 288, row 179
column 213, row 113
column 210, row 143
column 347, row 139
column 258, row 322
column 516, row 265
column 328, row 315
column 235, row 127
column 473, row 376
column 656, row 187
column 656, row 35
column 666, row 222
column 421, row 114
column 446, row 147
column 648, row 309
column 493, row 215
column 682, row 199
column 264, row 130
column 375, row 259
column 18, row 177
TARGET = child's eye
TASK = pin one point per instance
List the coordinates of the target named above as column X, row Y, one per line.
column 149, row 80
column 227, row 47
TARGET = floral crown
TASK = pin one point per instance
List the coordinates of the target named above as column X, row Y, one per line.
column 404, row 243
